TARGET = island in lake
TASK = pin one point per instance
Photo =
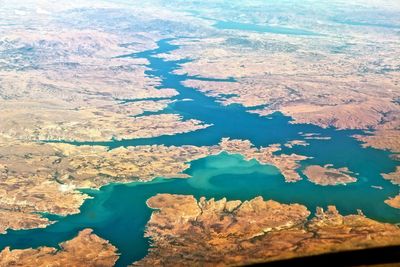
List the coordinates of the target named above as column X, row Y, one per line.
column 197, row 133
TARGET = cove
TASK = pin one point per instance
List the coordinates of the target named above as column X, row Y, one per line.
column 119, row 214
column 235, row 122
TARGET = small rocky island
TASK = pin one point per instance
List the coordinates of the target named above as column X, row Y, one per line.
column 327, row 175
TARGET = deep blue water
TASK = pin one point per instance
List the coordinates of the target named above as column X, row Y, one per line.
column 118, row 212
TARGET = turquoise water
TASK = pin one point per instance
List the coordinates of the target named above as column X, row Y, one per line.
column 231, row 25
column 118, row 212
column 367, row 24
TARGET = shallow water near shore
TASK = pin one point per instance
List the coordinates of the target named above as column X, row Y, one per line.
column 119, row 213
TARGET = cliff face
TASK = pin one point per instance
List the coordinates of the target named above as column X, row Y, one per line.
column 87, row 249
column 188, row 232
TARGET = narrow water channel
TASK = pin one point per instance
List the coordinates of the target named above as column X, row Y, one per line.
column 119, row 214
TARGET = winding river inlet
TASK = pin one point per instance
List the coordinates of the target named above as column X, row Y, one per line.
column 118, row 212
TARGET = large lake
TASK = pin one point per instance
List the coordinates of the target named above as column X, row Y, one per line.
column 119, row 214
